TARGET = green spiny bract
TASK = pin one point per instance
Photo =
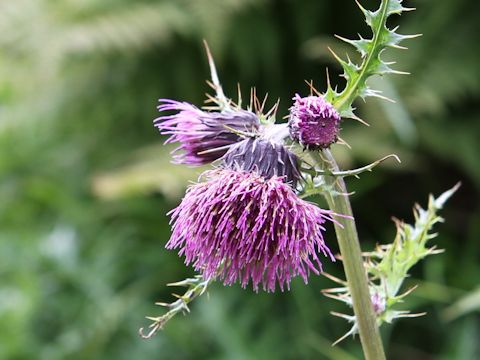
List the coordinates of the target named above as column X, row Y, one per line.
column 371, row 61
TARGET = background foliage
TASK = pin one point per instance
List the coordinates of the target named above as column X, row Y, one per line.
column 85, row 183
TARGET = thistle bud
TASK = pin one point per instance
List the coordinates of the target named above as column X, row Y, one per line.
column 313, row 122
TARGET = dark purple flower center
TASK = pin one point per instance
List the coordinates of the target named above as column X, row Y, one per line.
column 265, row 158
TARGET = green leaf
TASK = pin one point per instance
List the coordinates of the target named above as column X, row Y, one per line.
column 370, row 51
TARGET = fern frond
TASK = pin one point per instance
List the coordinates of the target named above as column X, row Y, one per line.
column 371, row 63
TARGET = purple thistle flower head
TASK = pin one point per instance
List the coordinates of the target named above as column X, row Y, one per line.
column 203, row 136
column 264, row 157
column 240, row 226
column 313, row 122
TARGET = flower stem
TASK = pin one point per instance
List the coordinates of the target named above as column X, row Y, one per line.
column 352, row 259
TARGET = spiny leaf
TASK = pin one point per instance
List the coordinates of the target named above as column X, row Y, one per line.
column 349, row 68
column 396, row 7
column 362, row 45
column 370, row 51
column 388, row 265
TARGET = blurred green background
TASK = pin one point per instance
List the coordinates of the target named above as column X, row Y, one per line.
column 85, row 182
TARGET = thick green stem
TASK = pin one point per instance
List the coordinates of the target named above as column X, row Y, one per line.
column 352, row 260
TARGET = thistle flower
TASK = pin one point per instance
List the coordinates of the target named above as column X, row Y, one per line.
column 203, row 136
column 313, row 122
column 245, row 222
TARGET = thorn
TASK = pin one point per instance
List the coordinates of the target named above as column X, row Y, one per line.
column 391, row 155
column 213, row 71
column 409, row 291
column 398, row 72
column 440, row 201
column 153, row 330
column 186, row 283
column 338, row 58
column 335, row 279
column 412, row 36
column 274, row 109
column 233, row 130
column 155, row 319
column 209, row 83
column 251, row 98
column 338, row 290
column 162, row 304
column 257, row 102
column 239, row 95
column 255, row 99
column 378, row 95
column 408, row 315
column 360, row 6
column 355, row 117
column 311, row 82
column 328, row 79
column 343, row 298
column 343, row 39
column 435, row 251
column 332, row 296
column 400, row 47
column 343, row 142
column 350, row 332
column 312, row 88
column 210, row 98
column 339, row 257
column 343, row 316
column 263, row 103
column 348, row 59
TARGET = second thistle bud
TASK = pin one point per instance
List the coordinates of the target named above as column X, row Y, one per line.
column 313, row 122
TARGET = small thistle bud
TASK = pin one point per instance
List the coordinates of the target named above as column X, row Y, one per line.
column 264, row 157
column 204, row 136
column 313, row 122
column 378, row 303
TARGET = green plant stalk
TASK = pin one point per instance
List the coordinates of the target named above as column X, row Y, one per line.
column 355, row 272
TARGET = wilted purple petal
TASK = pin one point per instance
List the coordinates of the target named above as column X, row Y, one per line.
column 203, row 136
